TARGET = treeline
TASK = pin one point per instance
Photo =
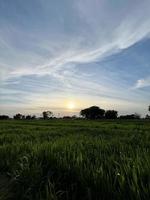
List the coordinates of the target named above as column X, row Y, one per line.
column 93, row 112
column 4, row 117
column 18, row 116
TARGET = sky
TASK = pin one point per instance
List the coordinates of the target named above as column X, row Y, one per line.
column 66, row 55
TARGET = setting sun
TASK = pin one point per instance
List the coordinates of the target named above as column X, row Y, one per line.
column 71, row 105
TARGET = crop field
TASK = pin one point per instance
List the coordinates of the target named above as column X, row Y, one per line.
column 74, row 160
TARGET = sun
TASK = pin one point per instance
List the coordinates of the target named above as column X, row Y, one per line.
column 71, row 105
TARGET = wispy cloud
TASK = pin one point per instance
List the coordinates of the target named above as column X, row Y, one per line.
column 141, row 83
column 44, row 53
column 100, row 38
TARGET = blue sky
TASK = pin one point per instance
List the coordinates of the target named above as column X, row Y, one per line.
column 83, row 52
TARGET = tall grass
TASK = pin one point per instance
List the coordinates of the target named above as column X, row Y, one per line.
column 49, row 160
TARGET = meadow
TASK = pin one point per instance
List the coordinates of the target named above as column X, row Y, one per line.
column 74, row 160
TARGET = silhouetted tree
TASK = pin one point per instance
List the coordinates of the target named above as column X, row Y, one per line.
column 4, row 117
column 93, row 112
column 23, row 117
column 132, row 116
column 67, row 117
column 28, row 117
column 33, row 117
column 47, row 114
column 18, row 116
column 111, row 114
column 147, row 117
column 137, row 116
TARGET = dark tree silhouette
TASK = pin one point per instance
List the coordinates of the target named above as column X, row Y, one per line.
column 93, row 112
column 18, row 116
column 67, row 117
column 47, row 114
column 111, row 114
column 132, row 116
column 147, row 117
column 3, row 117
column 28, row 117
column 33, row 117
column 137, row 116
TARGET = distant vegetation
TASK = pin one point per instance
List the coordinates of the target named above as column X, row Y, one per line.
column 132, row 116
column 20, row 116
column 47, row 114
column 93, row 113
column 4, row 117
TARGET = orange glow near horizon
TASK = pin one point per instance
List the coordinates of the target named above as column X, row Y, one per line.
column 71, row 105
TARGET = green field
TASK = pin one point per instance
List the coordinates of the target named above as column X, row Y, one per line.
column 74, row 160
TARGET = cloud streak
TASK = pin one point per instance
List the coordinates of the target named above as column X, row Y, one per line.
column 46, row 52
column 85, row 46
column 142, row 83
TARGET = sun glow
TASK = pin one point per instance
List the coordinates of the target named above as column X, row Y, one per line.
column 71, row 105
